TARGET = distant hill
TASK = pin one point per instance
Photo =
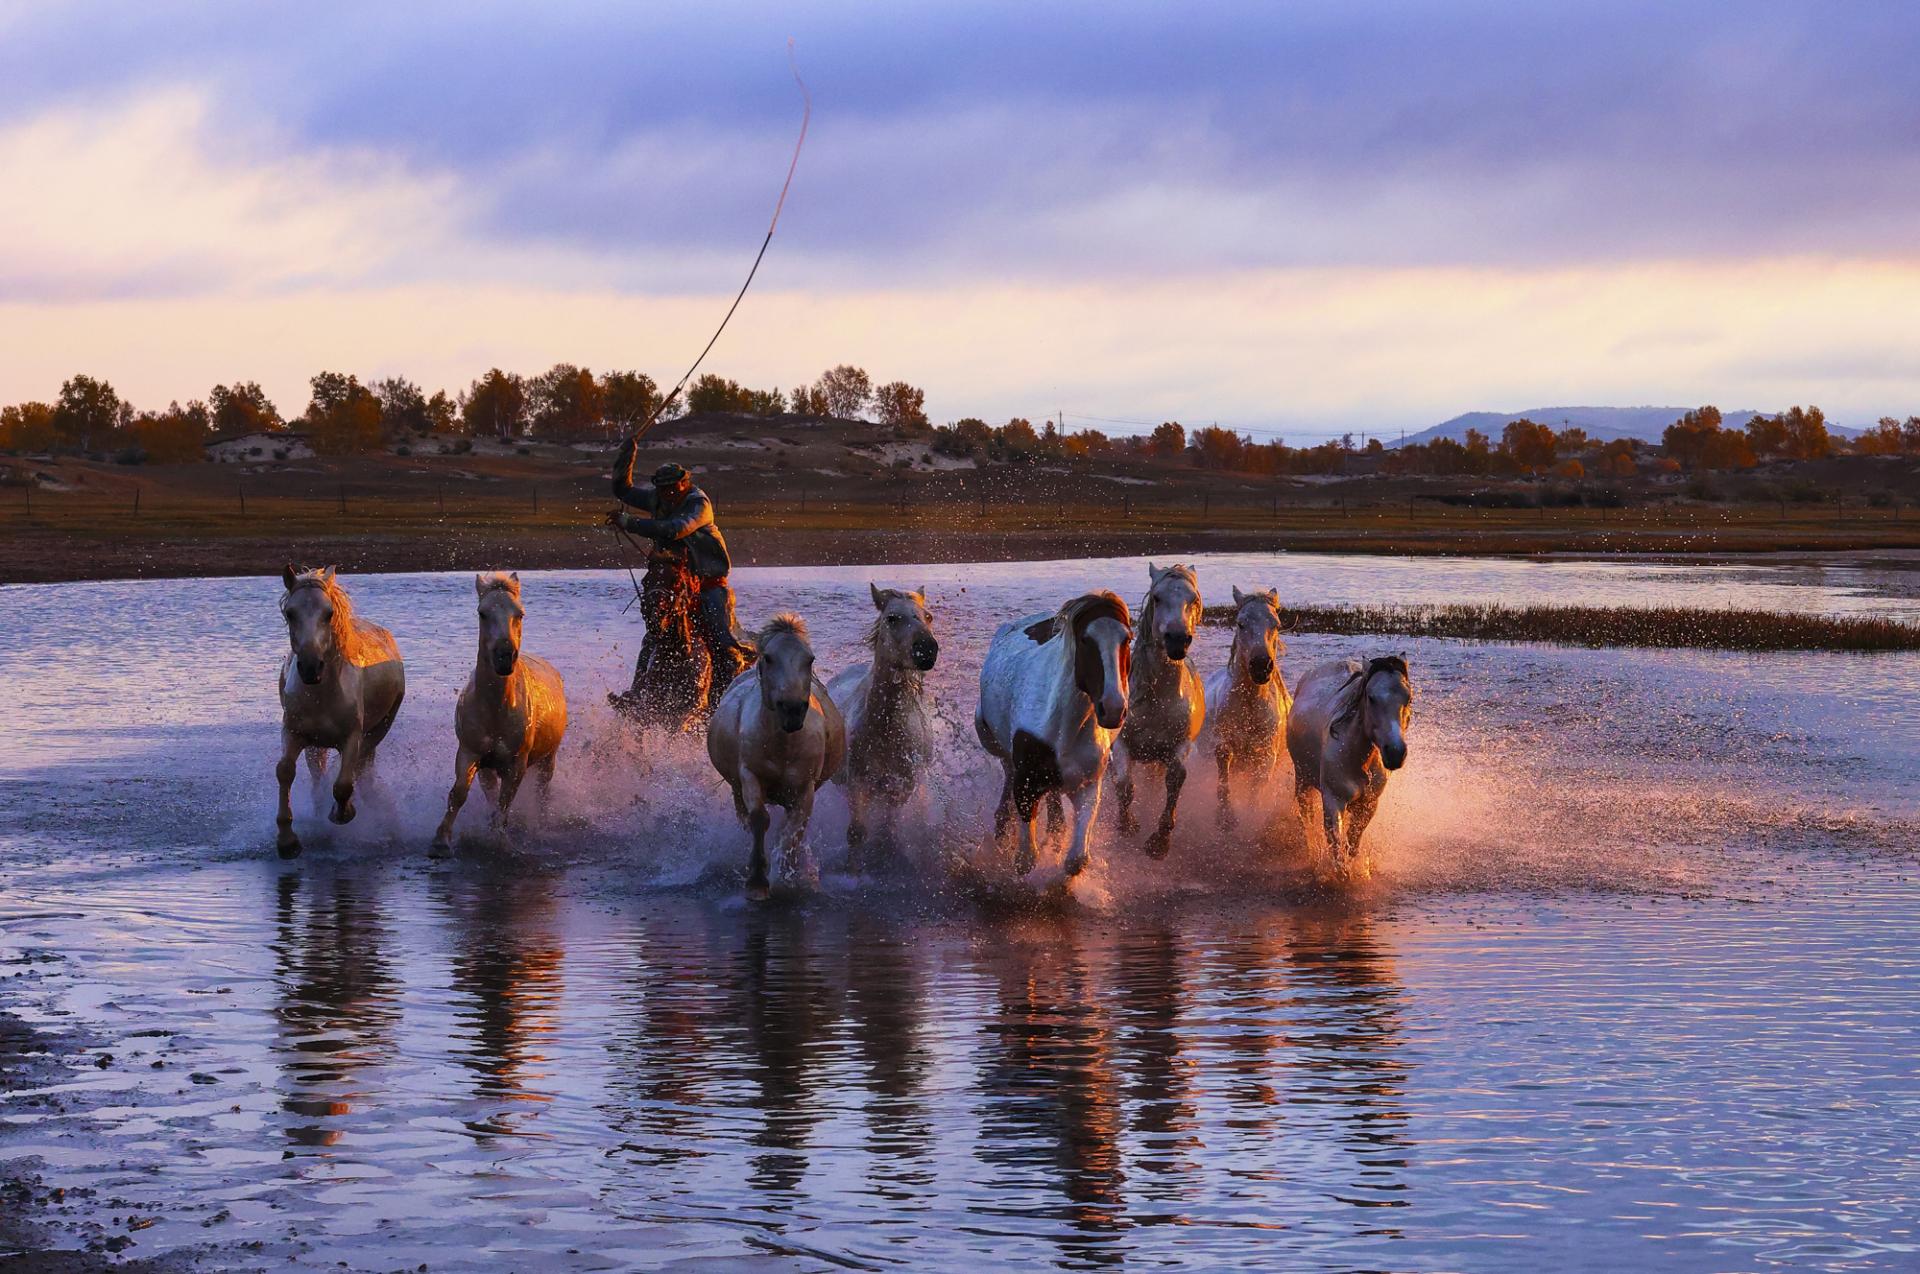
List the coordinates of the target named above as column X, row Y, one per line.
column 1603, row 423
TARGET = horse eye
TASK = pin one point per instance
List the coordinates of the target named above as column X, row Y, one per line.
column 895, row 619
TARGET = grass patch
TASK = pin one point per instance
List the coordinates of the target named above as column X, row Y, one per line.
column 1604, row 626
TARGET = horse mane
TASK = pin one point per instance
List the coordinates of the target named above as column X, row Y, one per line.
column 1356, row 685
column 1268, row 596
column 1078, row 613
column 785, row 622
column 498, row 582
column 359, row 642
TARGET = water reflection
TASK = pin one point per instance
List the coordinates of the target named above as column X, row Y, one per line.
column 782, row 998
column 886, row 1005
column 507, row 985
column 337, row 1003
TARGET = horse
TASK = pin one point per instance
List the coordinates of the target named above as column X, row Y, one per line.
column 776, row 738
column 889, row 738
column 1165, row 703
column 1053, row 692
column 1247, row 701
column 1348, row 731
column 510, row 715
column 673, row 676
column 340, row 687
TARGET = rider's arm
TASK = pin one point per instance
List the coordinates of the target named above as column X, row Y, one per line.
column 693, row 513
column 624, row 490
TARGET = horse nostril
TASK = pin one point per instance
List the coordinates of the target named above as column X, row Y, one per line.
column 925, row 653
column 1177, row 644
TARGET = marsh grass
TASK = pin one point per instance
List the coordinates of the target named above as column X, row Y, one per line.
column 1604, row 626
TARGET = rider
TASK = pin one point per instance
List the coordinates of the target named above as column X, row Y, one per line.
column 679, row 519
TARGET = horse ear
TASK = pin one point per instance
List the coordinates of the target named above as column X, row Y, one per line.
column 1237, row 597
column 480, row 586
column 288, row 575
column 1153, row 572
column 514, row 576
column 327, row 573
column 879, row 601
column 923, row 594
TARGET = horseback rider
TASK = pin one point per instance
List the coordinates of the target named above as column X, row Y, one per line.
column 679, row 520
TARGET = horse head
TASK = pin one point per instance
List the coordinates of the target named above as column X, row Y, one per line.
column 1256, row 634
column 1100, row 631
column 500, row 618
column 309, row 607
column 1386, row 707
column 1171, row 610
column 785, row 669
column 902, row 636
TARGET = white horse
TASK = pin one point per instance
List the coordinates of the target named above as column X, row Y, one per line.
column 1247, row 701
column 1348, row 731
column 340, row 688
column 776, row 737
column 889, row 738
column 1053, row 692
column 1165, row 703
column 510, row 715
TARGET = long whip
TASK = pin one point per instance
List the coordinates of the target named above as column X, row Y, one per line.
column 806, row 116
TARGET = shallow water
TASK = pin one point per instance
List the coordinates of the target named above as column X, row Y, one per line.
column 1634, row 985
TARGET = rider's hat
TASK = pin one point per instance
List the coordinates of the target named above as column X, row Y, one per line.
column 669, row 475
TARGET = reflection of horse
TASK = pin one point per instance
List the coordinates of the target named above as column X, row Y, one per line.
column 340, row 687
column 673, row 677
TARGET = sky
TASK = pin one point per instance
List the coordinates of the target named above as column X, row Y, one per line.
column 1301, row 218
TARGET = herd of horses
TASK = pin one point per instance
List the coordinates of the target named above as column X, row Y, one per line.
column 1065, row 699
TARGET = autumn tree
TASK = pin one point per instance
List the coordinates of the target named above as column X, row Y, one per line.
column 628, row 400
column 1807, row 436
column 242, row 408
column 343, row 416
column 565, row 402
column 1017, row 437
column 1697, row 441
column 28, row 427
column 403, row 407
column 901, row 405
column 1168, row 440
column 88, row 412
column 496, row 405
column 1529, row 444
column 443, row 414
column 177, row 435
column 1217, row 448
column 808, row 400
column 1766, row 436
column 1886, row 438
column 845, row 390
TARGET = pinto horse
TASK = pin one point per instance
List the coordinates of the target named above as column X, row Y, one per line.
column 340, row 687
column 1347, row 732
column 1053, row 693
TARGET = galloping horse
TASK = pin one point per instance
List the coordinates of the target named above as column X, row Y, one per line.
column 1053, row 691
column 1247, row 701
column 776, row 737
column 340, row 687
column 889, row 739
column 1165, row 704
column 510, row 715
column 673, row 676
column 1348, row 730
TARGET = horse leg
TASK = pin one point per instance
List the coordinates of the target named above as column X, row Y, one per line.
column 1332, row 814
column 1003, row 812
column 1361, row 812
column 1162, row 839
column 1123, row 788
column 856, row 826
column 350, row 754
column 796, row 854
column 1223, row 812
column 748, row 794
column 511, row 776
column 286, row 842
column 464, row 764
column 1056, row 816
column 1304, row 793
column 1086, row 804
column 317, row 773
column 543, row 775
column 1024, row 853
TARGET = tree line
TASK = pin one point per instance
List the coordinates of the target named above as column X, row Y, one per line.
column 344, row 416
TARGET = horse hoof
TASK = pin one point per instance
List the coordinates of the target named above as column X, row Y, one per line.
column 757, row 891
column 1074, row 866
column 440, row 849
column 341, row 814
column 289, row 846
column 1158, row 844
